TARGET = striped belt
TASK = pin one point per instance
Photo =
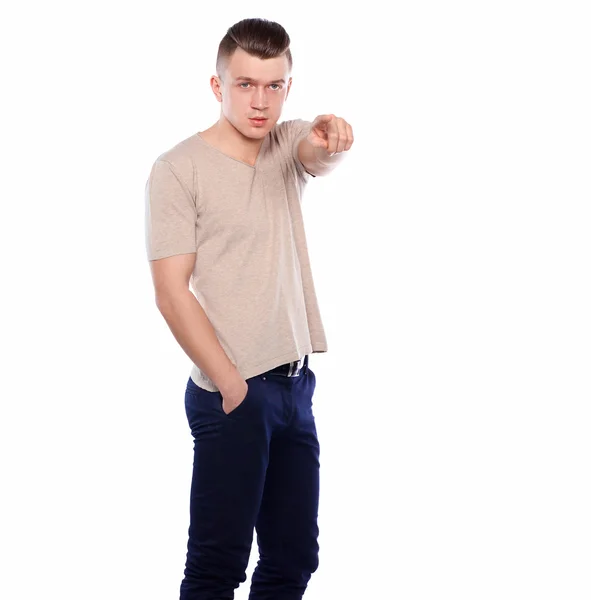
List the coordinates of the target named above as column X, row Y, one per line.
column 291, row 369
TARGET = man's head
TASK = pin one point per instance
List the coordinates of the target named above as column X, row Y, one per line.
column 253, row 74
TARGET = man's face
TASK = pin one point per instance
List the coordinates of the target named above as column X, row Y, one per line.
column 253, row 87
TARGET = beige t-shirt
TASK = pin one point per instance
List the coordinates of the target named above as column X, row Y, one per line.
column 252, row 273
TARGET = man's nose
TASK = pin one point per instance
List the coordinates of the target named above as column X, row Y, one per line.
column 259, row 100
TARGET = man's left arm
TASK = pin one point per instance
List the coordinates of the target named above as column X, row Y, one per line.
column 325, row 146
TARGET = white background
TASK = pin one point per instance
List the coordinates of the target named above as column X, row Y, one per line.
column 451, row 253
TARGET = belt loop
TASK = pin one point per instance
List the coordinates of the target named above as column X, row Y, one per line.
column 306, row 364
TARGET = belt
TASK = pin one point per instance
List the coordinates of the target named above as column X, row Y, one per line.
column 291, row 369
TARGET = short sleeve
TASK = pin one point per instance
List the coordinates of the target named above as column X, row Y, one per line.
column 300, row 130
column 289, row 135
column 171, row 213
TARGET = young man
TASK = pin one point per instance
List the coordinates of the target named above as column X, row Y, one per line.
column 223, row 215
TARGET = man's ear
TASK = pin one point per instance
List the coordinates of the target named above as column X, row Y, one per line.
column 216, row 86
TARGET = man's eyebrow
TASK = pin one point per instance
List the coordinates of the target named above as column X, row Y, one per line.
column 244, row 78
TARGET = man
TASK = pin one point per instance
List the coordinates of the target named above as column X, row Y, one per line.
column 223, row 215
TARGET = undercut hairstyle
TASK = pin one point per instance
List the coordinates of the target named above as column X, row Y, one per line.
column 258, row 37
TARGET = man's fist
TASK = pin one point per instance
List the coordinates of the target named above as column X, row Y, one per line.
column 332, row 133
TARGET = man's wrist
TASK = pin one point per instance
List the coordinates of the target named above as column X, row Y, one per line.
column 323, row 157
column 231, row 381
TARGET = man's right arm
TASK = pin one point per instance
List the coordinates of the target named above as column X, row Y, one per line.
column 190, row 325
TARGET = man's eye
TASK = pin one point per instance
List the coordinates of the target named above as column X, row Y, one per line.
column 246, row 83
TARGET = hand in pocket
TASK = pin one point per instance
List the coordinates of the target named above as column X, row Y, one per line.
column 234, row 398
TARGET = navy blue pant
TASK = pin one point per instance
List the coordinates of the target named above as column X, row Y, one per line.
column 254, row 468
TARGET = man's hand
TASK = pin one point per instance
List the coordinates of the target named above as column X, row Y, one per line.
column 234, row 394
column 331, row 133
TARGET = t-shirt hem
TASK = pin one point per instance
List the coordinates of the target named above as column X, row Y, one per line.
column 156, row 255
column 201, row 381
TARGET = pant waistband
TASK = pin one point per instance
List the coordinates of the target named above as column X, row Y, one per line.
column 293, row 368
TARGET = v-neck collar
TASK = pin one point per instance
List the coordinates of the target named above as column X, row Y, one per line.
column 256, row 162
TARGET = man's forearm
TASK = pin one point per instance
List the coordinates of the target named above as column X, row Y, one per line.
column 317, row 160
column 195, row 334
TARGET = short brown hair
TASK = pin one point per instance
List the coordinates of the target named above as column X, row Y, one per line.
column 258, row 37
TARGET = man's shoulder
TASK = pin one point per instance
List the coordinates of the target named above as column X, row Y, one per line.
column 287, row 132
column 291, row 128
column 287, row 135
column 181, row 156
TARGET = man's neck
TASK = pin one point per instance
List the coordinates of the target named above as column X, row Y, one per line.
column 226, row 138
